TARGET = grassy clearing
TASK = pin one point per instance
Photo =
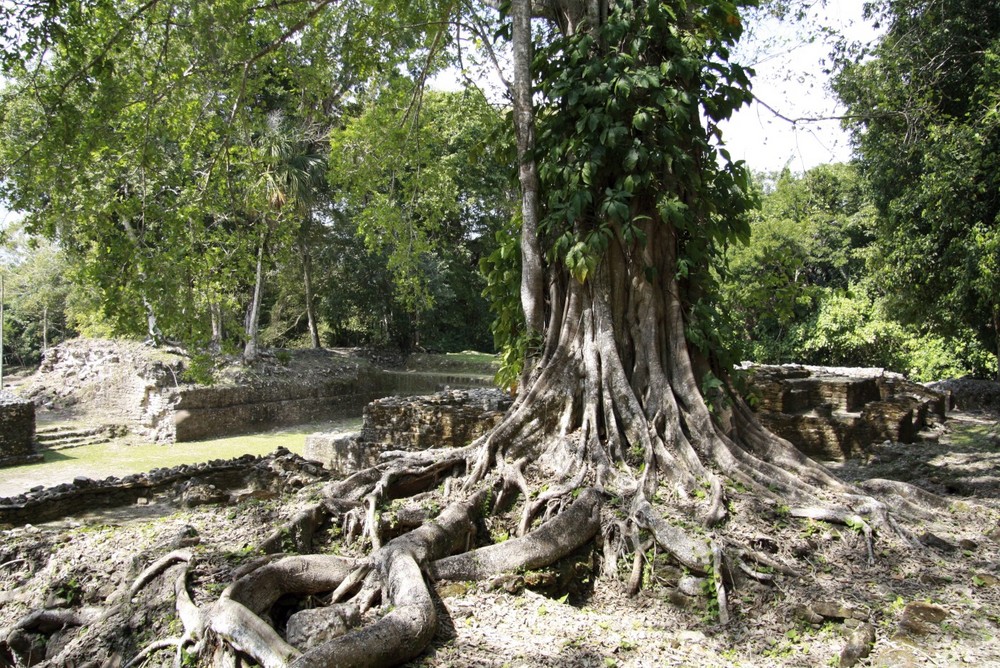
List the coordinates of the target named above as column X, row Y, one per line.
column 119, row 458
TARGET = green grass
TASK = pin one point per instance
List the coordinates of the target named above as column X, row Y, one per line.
column 119, row 459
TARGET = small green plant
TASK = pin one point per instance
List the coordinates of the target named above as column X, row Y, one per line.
column 70, row 590
column 200, row 369
column 811, row 528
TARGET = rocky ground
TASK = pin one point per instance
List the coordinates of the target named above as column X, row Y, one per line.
column 934, row 605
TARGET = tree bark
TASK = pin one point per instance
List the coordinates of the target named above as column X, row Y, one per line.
column 308, row 288
column 250, row 351
column 215, row 313
column 532, row 271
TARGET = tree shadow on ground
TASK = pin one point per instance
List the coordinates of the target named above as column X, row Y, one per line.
column 962, row 459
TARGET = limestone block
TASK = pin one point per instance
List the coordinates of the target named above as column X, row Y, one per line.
column 17, row 431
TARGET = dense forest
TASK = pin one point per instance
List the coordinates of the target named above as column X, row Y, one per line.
column 338, row 209
column 234, row 174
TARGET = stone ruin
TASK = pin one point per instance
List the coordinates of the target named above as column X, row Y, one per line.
column 834, row 414
column 446, row 419
column 17, row 431
column 453, row 418
column 220, row 481
column 144, row 390
column 830, row 414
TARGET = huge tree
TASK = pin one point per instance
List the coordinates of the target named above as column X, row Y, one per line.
column 625, row 433
column 923, row 110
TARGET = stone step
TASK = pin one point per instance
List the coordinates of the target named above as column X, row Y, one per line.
column 75, row 442
column 62, row 437
column 48, row 434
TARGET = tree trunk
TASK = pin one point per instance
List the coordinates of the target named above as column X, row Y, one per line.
column 308, row 288
column 996, row 334
column 250, row 351
column 152, row 329
column 215, row 313
column 532, row 285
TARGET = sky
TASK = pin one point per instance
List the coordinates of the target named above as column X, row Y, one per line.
column 789, row 79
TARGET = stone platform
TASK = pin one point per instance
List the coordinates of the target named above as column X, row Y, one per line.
column 833, row 413
column 453, row 418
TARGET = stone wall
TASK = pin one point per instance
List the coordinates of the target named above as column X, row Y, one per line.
column 834, row 413
column 218, row 481
column 17, row 431
column 453, row 418
column 115, row 382
column 144, row 390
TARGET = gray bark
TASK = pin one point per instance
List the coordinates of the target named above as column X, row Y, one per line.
column 253, row 314
column 532, row 270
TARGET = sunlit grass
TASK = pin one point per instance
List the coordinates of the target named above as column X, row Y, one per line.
column 120, row 459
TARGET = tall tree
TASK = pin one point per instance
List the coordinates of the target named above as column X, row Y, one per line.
column 121, row 124
column 626, row 430
column 924, row 116
column 290, row 174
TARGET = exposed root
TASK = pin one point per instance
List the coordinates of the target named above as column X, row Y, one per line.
column 720, row 587
column 848, row 519
column 50, row 620
column 157, row 567
column 297, row 534
column 152, row 648
column 690, row 553
column 742, row 554
column 909, row 497
column 566, row 532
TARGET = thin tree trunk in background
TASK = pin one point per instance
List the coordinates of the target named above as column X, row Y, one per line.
column 215, row 312
column 996, row 333
column 307, row 284
column 152, row 329
column 250, row 352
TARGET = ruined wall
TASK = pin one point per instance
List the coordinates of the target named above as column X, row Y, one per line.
column 218, row 481
column 17, row 431
column 112, row 382
column 453, row 418
column 834, row 413
column 143, row 389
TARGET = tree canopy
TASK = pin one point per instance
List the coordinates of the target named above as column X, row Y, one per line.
column 923, row 108
column 154, row 140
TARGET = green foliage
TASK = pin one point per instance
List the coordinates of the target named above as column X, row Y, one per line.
column 802, row 289
column 200, row 369
column 620, row 137
column 37, row 297
column 502, row 269
column 924, row 107
column 415, row 174
column 152, row 140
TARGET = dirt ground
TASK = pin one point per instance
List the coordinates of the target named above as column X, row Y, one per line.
column 935, row 605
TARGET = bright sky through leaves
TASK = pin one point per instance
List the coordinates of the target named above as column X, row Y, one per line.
column 790, row 79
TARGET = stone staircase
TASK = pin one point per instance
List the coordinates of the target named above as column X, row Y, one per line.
column 73, row 436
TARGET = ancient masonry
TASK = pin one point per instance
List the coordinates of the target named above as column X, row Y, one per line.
column 218, row 481
column 142, row 390
column 17, row 431
column 448, row 419
column 837, row 413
